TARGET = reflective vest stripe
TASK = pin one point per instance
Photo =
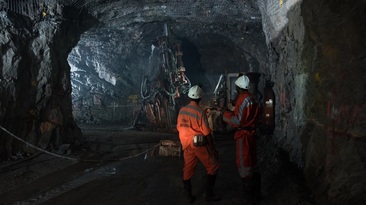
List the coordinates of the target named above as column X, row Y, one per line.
column 198, row 114
column 193, row 115
column 247, row 102
column 193, row 108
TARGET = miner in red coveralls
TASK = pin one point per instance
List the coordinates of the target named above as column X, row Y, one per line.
column 244, row 120
column 197, row 144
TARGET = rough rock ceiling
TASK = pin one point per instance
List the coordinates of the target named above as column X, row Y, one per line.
column 120, row 13
column 238, row 21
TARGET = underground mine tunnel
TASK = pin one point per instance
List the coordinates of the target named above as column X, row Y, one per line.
column 90, row 92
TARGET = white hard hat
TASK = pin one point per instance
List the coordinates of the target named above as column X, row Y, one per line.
column 195, row 92
column 242, row 82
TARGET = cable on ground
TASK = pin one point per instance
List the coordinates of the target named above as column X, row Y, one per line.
column 72, row 158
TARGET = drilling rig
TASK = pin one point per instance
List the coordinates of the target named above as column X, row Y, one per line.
column 162, row 87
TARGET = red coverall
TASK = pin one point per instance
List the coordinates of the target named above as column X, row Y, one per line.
column 192, row 121
column 244, row 117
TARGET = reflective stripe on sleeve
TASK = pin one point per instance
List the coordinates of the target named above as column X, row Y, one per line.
column 248, row 101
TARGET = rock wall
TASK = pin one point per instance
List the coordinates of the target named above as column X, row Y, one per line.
column 35, row 84
column 285, row 35
column 317, row 64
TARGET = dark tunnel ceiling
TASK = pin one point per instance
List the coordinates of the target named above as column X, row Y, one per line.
column 227, row 36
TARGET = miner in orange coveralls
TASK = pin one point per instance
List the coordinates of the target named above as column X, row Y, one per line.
column 244, row 120
column 197, row 144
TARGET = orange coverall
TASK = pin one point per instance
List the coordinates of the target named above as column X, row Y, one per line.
column 244, row 119
column 192, row 121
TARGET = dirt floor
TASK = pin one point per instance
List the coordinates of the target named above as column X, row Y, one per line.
column 122, row 166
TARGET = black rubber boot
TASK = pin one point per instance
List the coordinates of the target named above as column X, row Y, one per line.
column 188, row 191
column 257, row 186
column 248, row 191
column 209, row 193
